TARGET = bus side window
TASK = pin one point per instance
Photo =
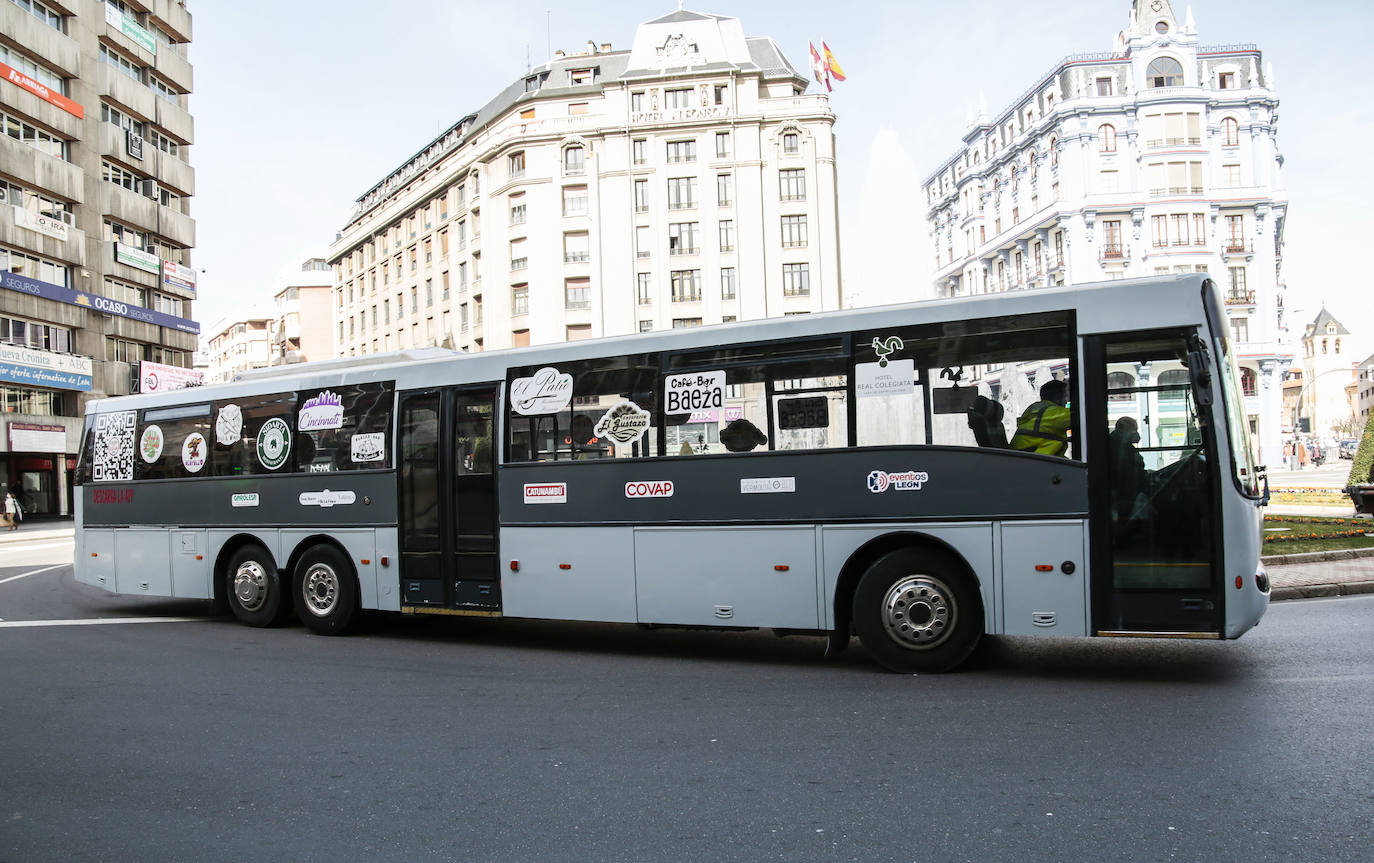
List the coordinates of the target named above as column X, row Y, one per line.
column 583, row 410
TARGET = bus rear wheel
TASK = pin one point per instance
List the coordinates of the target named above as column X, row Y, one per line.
column 326, row 591
column 916, row 609
column 254, row 589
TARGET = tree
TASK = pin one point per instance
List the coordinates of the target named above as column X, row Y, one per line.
column 1363, row 465
column 1347, row 428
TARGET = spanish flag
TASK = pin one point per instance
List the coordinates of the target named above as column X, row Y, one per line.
column 818, row 66
column 831, row 66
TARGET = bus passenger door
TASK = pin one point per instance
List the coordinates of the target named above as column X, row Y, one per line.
column 448, row 500
column 473, row 514
column 1156, row 547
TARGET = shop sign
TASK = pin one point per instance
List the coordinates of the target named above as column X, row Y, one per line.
column 58, row 293
column 19, row 79
column 27, row 437
column 160, row 378
column 133, row 257
column 133, row 144
column 129, row 27
column 178, row 276
column 45, row 225
column 36, row 367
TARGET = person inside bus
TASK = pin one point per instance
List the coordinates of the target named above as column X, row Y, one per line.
column 1129, row 477
column 1044, row 426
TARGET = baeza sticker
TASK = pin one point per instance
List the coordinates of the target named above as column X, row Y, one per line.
column 547, row 391
column 689, row 393
column 623, row 423
column 908, row 480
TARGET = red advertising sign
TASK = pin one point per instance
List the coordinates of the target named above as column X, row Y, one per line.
column 18, row 78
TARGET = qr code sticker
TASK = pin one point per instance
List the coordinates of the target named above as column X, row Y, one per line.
column 113, row 460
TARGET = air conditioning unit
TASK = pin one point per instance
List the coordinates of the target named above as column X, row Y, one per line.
column 4, row 194
column 150, row 189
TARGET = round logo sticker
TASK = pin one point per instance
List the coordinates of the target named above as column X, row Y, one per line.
column 193, row 452
column 150, row 444
column 274, row 443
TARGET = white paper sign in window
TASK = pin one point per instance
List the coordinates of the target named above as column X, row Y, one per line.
column 894, row 379
column 623, row 423
column 696, row 391
column 547, row 391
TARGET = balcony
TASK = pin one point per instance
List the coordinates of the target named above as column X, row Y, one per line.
column 174, row 67
column 175, row 174
column 1240, row 298
column 176, row 226
column 575, row 257
column 1114, row 252
column 71, row 250
column 128, row 207
column 1237, row 246
column 130, row 94
column 1156, row 143
column 41, row 172
column 173, row 17
column 53, row 48
column 1175, row 190
column 175, row 120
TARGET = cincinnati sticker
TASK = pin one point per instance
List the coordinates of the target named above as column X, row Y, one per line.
column 193, row 452
column 880, row 481
column 229, row 425
column 624, row 423
column 150, row 444
column 324, row 411
column 274, row 443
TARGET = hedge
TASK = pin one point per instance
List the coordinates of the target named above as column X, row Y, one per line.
column 1362, row 469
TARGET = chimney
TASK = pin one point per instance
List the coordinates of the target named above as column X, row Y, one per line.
column 591, row 47
column 559, row 54
column 605, row 47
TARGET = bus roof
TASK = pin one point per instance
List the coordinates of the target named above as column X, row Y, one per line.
column 1101, row 307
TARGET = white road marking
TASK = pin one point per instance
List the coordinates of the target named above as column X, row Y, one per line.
column 60, row 544
column 97, row 621
column 31, row 572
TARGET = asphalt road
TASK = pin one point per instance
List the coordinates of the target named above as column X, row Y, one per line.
column 440, row 739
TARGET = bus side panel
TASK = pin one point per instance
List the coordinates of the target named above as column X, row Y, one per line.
column 144, row 564
column 1040, row 601
column 598, row 582
column 727, row 576
column 973, row 541
column 192, row 569
column 95, row 559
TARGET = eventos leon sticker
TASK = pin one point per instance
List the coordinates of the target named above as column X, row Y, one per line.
column 546, row 492
column 623, row 423
column 908, row 480
column 649, row 488
column 193, row 452
column 324, row 411
column 547, row 391
column 150, row 444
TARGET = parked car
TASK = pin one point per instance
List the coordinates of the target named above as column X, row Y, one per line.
column 1348, row 448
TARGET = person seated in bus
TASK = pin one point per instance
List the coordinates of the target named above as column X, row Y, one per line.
column 1128, row 475
column 1044, row 426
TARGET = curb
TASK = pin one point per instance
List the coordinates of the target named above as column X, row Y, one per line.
column 1316, row 556
column 1314, row 591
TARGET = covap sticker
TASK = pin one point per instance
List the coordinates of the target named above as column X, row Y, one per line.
column 880, row 481
column 649, row 488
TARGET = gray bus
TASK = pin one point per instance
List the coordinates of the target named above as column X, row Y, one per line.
column 850, row 473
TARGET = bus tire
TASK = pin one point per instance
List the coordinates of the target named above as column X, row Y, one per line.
column 917, row 609
column 254, row 587
column 325, row 590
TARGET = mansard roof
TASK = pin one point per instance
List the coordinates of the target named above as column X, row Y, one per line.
column 1318, row 326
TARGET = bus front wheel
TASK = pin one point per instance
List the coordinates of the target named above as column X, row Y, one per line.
column 254, row 588
column 916, row 609
column 326, row 591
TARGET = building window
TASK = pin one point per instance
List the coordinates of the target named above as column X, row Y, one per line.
column 686, row 286
column 722, row 145
column 644, row 288
column 641, row 196
column 574, row 160
column 678, row 98
column 791, row 143
column 644, row 241
column 577, row 293
column 517, row 209
column 682, row 238
column 1231, row 175
column 1239, row 291
column 520, row 300
column 682, row 151
column 682, row 193
column 1240, row 331
column 793, row 232
column 1108, row 182
column 796, row 280
column 792, row 184
column 1226, row 81
column 519, row 257
column 684, row 323
column 575, row 201
column 1164, row 72
column 576, row 248
column 727, row 283
column 1230, row 132
column 719, row 93
column 516, row 164
column 1104, row 86
column 727, row 235
column 639, row 148
column 723, row 190
column 1106, row 138
column 646, row 326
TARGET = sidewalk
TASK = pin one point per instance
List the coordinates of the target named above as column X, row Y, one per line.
column 1291, row 576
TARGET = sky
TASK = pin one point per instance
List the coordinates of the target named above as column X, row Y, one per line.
column 302, row 106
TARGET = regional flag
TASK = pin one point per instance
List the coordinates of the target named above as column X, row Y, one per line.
column 818, row 68
column 832, row 67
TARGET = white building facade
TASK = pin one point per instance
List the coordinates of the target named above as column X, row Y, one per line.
column 1157, row 157
column 687, row 181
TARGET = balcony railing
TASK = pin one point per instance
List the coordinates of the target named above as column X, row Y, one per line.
column 1240, row 298
column 575, row 257
column 1114, row 251
column 1189, row 141
column 1176, row 190
column 1236, row 246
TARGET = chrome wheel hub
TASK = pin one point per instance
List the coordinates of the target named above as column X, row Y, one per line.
column 250, row 585
column 919, row 611
column 320, row 589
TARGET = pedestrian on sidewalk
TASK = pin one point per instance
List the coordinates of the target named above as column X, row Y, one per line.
column 1302, row 455
column 12, row 511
